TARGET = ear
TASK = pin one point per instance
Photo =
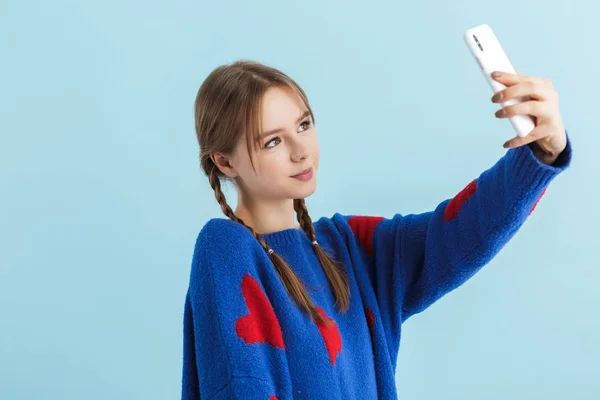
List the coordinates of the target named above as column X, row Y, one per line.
column 223, row 162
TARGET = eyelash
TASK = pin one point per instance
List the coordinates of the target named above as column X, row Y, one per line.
column 308, row 122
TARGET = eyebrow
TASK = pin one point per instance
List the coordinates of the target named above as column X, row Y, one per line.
column 278, row 130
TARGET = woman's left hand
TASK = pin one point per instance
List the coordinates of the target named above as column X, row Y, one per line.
column 549, row 133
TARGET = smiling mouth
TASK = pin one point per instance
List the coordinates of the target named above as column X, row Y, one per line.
column 302, row 173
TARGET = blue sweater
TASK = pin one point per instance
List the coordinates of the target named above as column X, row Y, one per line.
column 245, row 339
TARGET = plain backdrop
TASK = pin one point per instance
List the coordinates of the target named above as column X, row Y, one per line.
column 102, row 196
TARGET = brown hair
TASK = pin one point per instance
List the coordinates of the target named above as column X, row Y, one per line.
column 228, row 104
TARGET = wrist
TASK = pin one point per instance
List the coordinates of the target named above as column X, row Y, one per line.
column 541, row 155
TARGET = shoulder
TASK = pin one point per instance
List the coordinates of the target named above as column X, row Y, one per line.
column 334, row 230
column 353, row 230
column 223, row 231
column 224, row 247
column 334, row 226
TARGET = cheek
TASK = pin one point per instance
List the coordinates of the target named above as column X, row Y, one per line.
column 272, row 170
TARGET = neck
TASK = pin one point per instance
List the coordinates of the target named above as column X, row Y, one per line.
column 267, row 216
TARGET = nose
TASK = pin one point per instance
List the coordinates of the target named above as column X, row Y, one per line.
column 297, row 158
column 299, row 152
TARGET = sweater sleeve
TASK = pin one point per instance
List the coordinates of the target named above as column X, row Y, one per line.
column 233, row 343
column 415, row 259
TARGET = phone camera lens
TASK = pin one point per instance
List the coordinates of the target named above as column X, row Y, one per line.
column 478, row 44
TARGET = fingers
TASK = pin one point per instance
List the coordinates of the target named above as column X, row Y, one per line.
column 534, row 89
column 511, row 79
column 535, row 108
column 536, row 134
column 538, row 99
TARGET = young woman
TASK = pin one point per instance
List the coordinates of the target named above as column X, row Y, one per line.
column 278, row 309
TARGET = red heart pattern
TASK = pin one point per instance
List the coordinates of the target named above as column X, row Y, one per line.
column 363, row 227
column 261, row 324
column 370, row 317
column 538, row 200
column 457, row 202
column 331, row 336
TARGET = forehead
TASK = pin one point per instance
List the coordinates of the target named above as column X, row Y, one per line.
column 280, row 107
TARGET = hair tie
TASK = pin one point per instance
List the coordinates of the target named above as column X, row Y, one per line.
column 315, row 242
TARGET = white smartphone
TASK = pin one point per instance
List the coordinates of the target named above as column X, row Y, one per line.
column 490, row 56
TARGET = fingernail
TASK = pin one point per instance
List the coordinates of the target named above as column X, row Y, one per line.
column 500, row 113
column 497, row 97
column 506, row 145
column 496, row 74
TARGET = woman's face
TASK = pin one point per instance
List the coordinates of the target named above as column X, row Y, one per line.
column 280, row 154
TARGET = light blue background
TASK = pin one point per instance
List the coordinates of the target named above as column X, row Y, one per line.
column 101, row 193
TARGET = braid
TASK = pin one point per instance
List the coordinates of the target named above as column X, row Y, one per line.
column 215, row 183
column 305, row 220
column 337, row 277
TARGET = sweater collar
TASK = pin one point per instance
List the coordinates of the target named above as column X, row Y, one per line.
column 284, row 237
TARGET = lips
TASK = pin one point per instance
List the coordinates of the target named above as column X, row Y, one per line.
column 302, row 173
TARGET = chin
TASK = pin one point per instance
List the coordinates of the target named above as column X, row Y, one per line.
column 310, row 193
column 307, row 192
column 302, row 193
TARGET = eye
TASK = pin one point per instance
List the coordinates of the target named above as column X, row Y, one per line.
column 307, row 122
column 267, row 144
